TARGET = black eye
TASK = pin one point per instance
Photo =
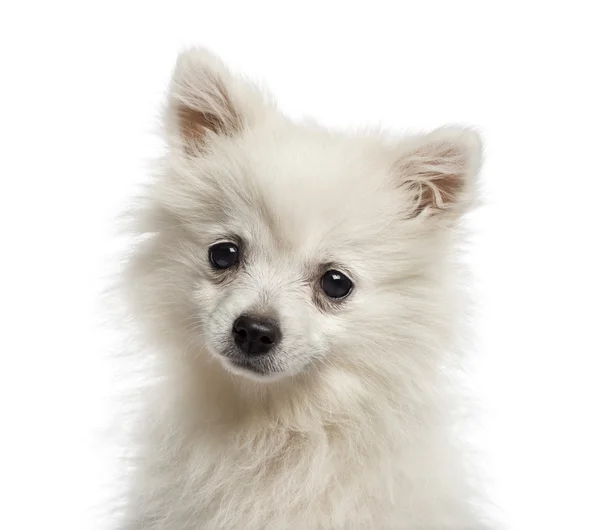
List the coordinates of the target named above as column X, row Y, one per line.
column 224, row 255
column 335, row 284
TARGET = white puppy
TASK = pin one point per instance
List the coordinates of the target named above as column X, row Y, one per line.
column 301, row 290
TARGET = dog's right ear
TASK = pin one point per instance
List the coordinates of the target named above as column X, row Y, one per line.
column 205, row 100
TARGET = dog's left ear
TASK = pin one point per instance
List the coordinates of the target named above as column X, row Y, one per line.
column 206, row 100
column 439, row 170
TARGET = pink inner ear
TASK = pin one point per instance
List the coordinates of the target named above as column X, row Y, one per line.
column 436, row 175
column 215, row 112
column 194, row 124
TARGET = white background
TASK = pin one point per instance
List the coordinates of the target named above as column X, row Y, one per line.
column 80, row 90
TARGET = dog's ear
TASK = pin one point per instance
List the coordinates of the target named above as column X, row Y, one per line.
column 439, row 170
column 206, row 99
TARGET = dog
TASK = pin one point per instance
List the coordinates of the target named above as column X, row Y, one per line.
column 301, row 292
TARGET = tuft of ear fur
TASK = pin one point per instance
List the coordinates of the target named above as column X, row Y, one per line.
column 439, row 171
column 206, row 99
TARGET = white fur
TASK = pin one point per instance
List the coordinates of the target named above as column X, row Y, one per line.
column 356, row 430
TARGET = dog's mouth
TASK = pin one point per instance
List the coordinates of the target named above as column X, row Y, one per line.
column 255, row 368
column 253, row 371
column 245, row 365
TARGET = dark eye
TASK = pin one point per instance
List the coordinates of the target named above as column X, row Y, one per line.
column 224, row 255
column 336, row 284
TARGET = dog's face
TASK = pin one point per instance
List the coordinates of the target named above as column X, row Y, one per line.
column 285, row 247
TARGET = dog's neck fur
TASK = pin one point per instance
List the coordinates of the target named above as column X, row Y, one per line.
column 303, row 427
column 314, row 400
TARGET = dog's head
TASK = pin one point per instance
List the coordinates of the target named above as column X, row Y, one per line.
column 279, row 247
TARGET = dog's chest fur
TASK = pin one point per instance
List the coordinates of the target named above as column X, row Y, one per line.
column 335, row 474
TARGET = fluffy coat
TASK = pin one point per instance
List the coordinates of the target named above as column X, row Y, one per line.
column 355, row 428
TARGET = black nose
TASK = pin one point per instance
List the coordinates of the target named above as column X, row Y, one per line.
column 255, row 335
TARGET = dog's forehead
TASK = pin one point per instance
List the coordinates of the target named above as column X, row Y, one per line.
column 315, row 186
